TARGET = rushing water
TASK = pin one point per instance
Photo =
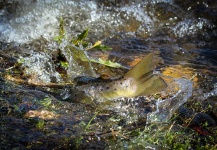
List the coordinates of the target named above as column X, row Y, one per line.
column 24, row 21
column 181, row 34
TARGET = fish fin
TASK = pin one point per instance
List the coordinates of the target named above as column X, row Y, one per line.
column 151, row 85
column 143, row 78
column 142, row 68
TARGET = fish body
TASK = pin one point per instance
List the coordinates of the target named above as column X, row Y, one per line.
column 138, row 81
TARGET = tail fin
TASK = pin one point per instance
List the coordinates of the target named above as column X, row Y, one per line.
column 143, row 78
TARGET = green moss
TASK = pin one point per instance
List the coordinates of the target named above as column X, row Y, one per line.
column 40, row 125
column 46, row 101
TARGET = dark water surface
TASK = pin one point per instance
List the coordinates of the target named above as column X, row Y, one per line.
column 181, row 34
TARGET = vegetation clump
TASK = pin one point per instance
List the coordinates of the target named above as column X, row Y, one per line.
column 79, row 47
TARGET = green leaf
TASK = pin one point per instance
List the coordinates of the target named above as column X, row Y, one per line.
column 107, row 63
column 58, row 39
column 88, row 125
column 103, row 47
column 64, row 64
column 97, row 43
column 81, row 37
column 78, row 54
column 61, row 35
column 84, row 44
column 46, row 101
column 62, row 30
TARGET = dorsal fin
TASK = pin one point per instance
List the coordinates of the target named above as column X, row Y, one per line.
column 142, row 68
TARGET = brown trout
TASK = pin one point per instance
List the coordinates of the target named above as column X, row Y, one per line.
column 138, row 81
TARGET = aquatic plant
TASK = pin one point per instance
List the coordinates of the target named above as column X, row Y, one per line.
column 79, row 47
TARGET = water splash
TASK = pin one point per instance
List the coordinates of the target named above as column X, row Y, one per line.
column 74, row 56
column 23, row 21
column 191, row 27
column 211, row 93
column 41, row 67
column 167, row 107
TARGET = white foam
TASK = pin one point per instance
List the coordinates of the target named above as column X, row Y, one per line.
column 41, row 68
column 31, row 20
column 39, row 21
column 191, row 27
column 138, row 11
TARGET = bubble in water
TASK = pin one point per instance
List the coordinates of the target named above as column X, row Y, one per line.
column 40, row 65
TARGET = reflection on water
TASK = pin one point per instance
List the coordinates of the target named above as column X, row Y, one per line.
column 181, row 34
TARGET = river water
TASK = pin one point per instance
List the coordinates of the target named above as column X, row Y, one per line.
column 181, row 34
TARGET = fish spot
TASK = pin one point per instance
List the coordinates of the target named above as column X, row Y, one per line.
column 107, row 88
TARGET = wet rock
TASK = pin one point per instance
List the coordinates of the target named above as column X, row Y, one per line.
column 113, row 3
column 195, row 118
column 200, row 8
